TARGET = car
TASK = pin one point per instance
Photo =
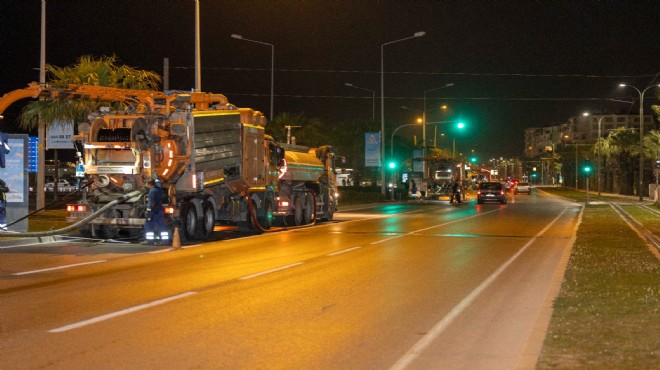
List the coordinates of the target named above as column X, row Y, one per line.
column 61, row 185
column 491, row 192
column 523, row 187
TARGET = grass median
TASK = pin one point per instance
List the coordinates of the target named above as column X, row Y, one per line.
column 607, row 314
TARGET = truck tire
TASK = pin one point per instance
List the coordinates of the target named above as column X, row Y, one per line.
column 208, row 220
column 107, row 231
column 298, row 212
column 328, row 209
column 309, row 209
column 189, row 220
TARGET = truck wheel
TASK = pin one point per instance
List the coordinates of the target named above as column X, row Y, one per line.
column 107, row 231
column 208, row 220
column 298, row 211
column 309, row 209
column 266, row 219
column 189, row 220
column 328, row 209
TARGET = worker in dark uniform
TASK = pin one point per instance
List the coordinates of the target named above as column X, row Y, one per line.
column 4, row 189
column 155, row 215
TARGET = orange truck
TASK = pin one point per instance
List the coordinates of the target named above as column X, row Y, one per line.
column 213, row 159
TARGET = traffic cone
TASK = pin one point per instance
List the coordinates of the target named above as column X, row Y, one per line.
column 176, row 240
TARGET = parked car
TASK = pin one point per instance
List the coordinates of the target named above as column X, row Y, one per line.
column 491, row 192
column 62, row 185
column 523, row 187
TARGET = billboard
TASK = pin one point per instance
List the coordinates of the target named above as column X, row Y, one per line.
column 372, row 149
column 59, row 134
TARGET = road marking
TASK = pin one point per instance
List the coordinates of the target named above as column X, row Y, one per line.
column 342, row 251
column 434, row 226
column 270, row 271
column 120, row 313
column 58, row 268
column 439, row 327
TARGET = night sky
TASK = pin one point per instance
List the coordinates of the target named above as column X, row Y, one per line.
column 514, row 64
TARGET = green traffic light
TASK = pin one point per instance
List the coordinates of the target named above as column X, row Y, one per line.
column 586, row 168
column 473, row 159
column 391, row 165
column 460, row 125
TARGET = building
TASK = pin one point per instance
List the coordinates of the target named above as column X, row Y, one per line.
column 579, row 129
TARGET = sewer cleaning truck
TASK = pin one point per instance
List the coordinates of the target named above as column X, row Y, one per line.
column 214, row 160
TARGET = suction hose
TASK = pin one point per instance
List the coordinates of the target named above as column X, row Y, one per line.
column 78, row 224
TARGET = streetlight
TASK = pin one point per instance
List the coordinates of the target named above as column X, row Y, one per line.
column 600, row 119
column 272, row 67
column 394, row 132
column 424, row 115
column 373, row 97
column 641, row 135
column 382, row 102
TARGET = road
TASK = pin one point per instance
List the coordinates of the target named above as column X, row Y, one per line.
column 414, row 285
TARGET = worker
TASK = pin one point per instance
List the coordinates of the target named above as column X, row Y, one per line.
column 456, row 193
column 155, row 215
column 4, row 189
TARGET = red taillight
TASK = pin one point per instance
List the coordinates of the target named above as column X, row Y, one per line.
column 502, row 192
column 76, row 208
column 169, row 210
column 478, row 192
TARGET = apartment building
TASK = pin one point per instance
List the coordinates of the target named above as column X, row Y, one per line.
column 579, row 129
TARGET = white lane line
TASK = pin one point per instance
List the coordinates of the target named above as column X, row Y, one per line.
column 433, row 227
column 270, row 271
column 119, row 313
column 342, row 251
column 58, row 268
column 438, row 328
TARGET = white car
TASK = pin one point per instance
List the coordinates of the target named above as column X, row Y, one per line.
column 62, row 185
column 523, row 187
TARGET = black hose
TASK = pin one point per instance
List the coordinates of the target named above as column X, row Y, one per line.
column 78, row 224
column 50, row 204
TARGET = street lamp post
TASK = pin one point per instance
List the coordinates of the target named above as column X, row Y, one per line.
column 424, row 114
column 272, row 67
column 600, row 120
column 373, row 97
column 641, row 135
column 382, row 104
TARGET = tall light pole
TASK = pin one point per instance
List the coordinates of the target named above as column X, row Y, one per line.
column 382, row 105
column 41, row 129
column 373, row 98
column 600, row 119
column 641, row 135
column 272, row 67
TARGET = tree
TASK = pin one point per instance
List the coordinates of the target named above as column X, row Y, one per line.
column 103, row 71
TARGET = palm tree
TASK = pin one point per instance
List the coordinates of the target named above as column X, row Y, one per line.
column 618, row 149
column 103, row 71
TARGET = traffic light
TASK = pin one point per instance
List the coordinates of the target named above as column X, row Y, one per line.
column 586, row 167
column 473, row 159
column 460, row 125
column 391, row 165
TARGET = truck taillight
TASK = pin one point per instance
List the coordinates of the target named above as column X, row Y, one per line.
column 76, row 208
column 284, row 203
column 169, row 210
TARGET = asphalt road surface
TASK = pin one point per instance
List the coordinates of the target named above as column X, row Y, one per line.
column 389, row 286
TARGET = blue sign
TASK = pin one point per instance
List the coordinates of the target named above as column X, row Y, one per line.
column 33, row 153
column 372, row 149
